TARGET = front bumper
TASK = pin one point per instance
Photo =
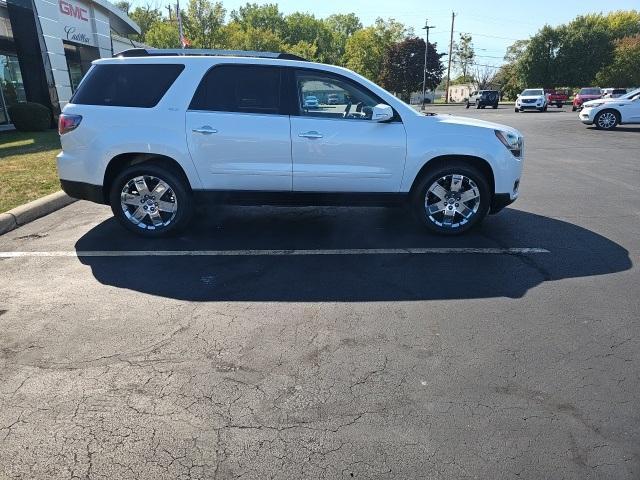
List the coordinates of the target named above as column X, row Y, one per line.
column 587, row 116
column 500, row 201
column 529, row 106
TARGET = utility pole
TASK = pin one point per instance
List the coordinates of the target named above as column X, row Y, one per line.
column 446, row 93
column 170, row 9
column 426, row 27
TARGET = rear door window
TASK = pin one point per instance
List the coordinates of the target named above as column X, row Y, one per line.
column 126, row 85
column 240, row 88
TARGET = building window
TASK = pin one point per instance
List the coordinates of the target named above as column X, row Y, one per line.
column 79, row 58
column 11, row 85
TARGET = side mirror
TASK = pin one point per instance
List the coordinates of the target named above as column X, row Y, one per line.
column 382, row 113
column 518, row 96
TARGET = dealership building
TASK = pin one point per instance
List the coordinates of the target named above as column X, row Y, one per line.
column 46, row 46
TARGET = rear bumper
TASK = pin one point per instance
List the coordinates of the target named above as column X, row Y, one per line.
column 83, row 191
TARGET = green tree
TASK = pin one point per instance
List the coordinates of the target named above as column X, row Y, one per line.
column 585, row 46
column 163, row 35
column 238, row 38
column 539, row 65
column 402, row 67
column 203, row 23
column 343, row 26
column 365, row 49
column 303, row 49
column 304, row 27
column 464, row 54
column 261, row 17
column 624, row 70
column 146, row 17
column 123, row 5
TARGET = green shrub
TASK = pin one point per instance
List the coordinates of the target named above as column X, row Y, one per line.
column 30, row 117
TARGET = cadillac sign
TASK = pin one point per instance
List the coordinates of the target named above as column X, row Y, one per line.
column 75, row 19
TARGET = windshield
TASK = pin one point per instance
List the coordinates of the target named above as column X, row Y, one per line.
column 532, row 93
column 632, row 94
column 590, row 91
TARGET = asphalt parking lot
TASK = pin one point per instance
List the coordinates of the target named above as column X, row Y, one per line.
column 271, row 360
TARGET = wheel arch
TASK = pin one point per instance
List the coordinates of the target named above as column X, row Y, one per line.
column 613, row 110
column 441, row 161
column 124, row 160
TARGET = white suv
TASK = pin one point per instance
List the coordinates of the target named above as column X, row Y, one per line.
column 155, row 132
column 532, row 99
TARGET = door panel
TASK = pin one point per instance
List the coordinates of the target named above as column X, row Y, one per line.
column 335, row 145
column 631, row 112
column 237, row 157
column 347, row 155
column 237, row 132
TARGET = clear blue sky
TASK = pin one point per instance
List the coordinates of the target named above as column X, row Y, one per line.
column 494, row 24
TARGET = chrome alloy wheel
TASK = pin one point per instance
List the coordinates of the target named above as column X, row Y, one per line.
column 452, row 201
column 148, row 202
column 607, row 120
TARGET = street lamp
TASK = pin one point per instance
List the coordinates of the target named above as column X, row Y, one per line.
column 426, row 27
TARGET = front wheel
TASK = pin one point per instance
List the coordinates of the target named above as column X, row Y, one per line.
column 467, row 105
column 452, row 199
column 573, row 108
column 606, row 120
column 151, row 200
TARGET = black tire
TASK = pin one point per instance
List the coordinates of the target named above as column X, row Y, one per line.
column 545, row 108
column 178, row 192
column 421, row 191
column 573, row 108
column 467, row 104
column 600, row 124
column 516, row 110
column 559, row 105
column 494, row 106
column 478, row 105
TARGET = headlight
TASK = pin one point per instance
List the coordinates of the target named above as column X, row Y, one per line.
column 592, row 105
column 510, row 140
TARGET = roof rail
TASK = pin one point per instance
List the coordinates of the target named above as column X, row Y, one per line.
column 157, row 52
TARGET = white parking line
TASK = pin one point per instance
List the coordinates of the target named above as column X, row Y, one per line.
column 251, row 253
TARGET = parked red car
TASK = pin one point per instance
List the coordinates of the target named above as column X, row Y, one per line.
column 584, row 95
column 556, row 97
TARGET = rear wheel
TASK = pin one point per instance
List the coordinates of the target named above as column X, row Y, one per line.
column 452, row 199
column 151, row 200
column 477, row 104
column 606, row 120
column 573, row 108
column 495, row 106
column 467, row 104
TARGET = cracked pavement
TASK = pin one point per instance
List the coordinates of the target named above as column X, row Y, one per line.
column 380, row 366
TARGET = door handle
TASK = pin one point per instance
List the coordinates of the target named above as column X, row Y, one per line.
column 311, row 134
column 206, row 130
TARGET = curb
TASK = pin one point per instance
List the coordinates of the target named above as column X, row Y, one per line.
column 28, row 212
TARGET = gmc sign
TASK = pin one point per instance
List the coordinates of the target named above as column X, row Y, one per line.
column 76, row 12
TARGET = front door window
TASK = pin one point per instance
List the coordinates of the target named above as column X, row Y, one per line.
column 325, row 96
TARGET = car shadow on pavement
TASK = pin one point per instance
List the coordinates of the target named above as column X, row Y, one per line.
column 617, row 129
column 573, row 252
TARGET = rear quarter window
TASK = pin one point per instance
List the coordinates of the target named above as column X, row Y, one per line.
column 126, row 85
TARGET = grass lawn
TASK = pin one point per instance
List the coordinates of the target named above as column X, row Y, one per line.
column 27, row 166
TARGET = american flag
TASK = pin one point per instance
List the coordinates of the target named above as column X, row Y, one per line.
column 183, row 40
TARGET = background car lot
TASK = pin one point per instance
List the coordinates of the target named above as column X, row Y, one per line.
column 364, row 366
